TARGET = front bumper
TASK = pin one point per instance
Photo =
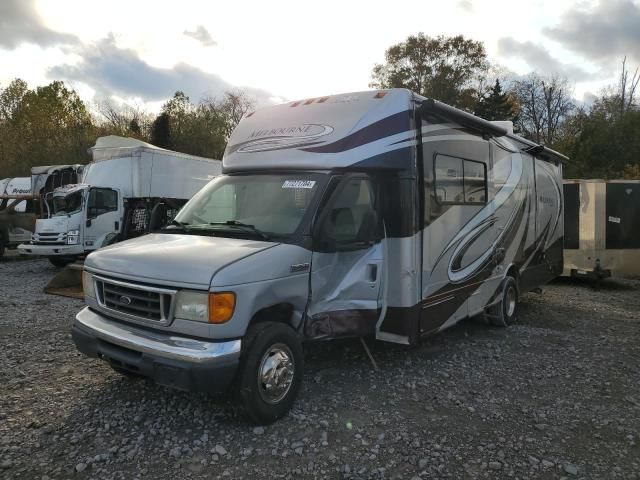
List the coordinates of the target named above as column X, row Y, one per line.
column 50, row 250
column 179, row 362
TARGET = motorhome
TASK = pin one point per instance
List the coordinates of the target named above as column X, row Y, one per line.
column 378, row 213
column 128, row 183
column 601, row 228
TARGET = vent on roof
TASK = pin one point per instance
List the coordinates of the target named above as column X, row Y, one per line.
column 507, row 125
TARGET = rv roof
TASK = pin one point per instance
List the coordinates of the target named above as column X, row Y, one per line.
column 368, row 129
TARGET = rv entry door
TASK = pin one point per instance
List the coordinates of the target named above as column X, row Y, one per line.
column 347, row 262
column 104, row 216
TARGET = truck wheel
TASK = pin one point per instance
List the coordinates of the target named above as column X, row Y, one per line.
column 505, row 312
column 270, row 372
column 61, row 261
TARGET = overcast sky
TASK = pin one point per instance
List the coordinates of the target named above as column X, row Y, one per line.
column 142, row 51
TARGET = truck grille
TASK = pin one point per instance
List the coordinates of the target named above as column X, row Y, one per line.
column 129, row 301
column 49, row 238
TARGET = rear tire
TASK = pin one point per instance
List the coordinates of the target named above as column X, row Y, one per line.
column 270, row 372
column 61, row 261
column 505, row 312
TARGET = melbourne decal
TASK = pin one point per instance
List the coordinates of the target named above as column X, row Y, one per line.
column 266, row 139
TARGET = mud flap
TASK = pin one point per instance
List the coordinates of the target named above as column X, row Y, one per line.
column 67, row 282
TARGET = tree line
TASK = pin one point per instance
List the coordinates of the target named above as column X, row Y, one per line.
column 51, row 124
column 602, row 139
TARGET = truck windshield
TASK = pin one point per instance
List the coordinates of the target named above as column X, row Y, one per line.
column 267, row 205
column 67, row 205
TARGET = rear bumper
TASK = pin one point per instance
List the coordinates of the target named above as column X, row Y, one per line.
column 179, row 362
column 50, row 250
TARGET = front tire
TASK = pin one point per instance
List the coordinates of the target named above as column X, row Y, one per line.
column 505, row 312
column 61, row 261
column 270, row 373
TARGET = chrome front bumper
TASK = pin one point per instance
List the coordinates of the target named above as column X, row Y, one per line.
column 157, row 344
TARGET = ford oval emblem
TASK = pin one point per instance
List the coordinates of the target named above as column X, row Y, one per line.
column 125, row 300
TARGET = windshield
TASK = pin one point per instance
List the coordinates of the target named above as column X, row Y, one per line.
column 67, row 205
column 272, row 205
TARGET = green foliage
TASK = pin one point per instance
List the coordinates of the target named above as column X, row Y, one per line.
column 201, row 129
column 604, row 146
column 51, row 125
column 496, row 104
column 48, row 125
column 443, row 68
column 161, row 131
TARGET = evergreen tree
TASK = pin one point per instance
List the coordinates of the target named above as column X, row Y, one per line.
column 161, row 131
column 496, row 105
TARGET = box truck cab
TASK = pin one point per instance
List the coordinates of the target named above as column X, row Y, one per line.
column 377, row 213
column 117, row 197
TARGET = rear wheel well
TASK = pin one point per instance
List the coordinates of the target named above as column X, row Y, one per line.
column 513, row 271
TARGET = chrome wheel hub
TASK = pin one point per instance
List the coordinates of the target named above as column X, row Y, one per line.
column 511, row 298
column 275, row 374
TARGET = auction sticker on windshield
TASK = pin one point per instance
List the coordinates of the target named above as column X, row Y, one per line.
column 298, row 184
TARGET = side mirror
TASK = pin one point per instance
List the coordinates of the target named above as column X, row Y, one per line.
column 88, row 222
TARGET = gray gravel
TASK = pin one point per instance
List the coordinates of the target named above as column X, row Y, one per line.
column 555, row 396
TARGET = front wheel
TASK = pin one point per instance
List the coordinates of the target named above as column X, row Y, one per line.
column 504, row 313
column 271, row 372
column 61, row 261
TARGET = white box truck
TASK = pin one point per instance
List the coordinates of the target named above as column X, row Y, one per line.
column 378, row 213
column 22, row 201
column 17, row 217
column 128, row 184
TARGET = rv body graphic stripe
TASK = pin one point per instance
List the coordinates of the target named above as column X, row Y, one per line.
column 391, row 125
column 468, row 233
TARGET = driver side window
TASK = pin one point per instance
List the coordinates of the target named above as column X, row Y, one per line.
column 101, row 200
column 351, row 218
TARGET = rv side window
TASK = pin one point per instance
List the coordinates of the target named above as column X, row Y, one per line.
column 460, row 181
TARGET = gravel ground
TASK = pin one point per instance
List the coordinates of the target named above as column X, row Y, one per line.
column 556, row 395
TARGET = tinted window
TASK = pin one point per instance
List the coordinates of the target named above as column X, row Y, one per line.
column 460, row 181
column 449, row 183
column 352, row 215
column 102, row 200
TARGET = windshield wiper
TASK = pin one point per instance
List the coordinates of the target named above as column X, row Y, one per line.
column 245, row 226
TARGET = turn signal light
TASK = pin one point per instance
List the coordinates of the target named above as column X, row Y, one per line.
column 221, row 306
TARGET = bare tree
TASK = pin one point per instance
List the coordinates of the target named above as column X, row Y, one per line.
column 234, row 105
column 544, row 104
column 124, row 119
column 627, row 87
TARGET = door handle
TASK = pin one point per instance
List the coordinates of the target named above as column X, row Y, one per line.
column 373, row 272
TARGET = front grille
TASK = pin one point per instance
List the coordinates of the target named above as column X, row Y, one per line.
column 49, row 238
column 135, row 302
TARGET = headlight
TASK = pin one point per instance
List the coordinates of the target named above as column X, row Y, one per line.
column 204, row 306
column 72, row 237
column 88, row 287
column 192, row 305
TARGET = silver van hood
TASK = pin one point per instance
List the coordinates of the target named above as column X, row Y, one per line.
column 172, row 259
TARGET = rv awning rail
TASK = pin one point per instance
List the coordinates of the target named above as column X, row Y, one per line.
column 434, row 107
